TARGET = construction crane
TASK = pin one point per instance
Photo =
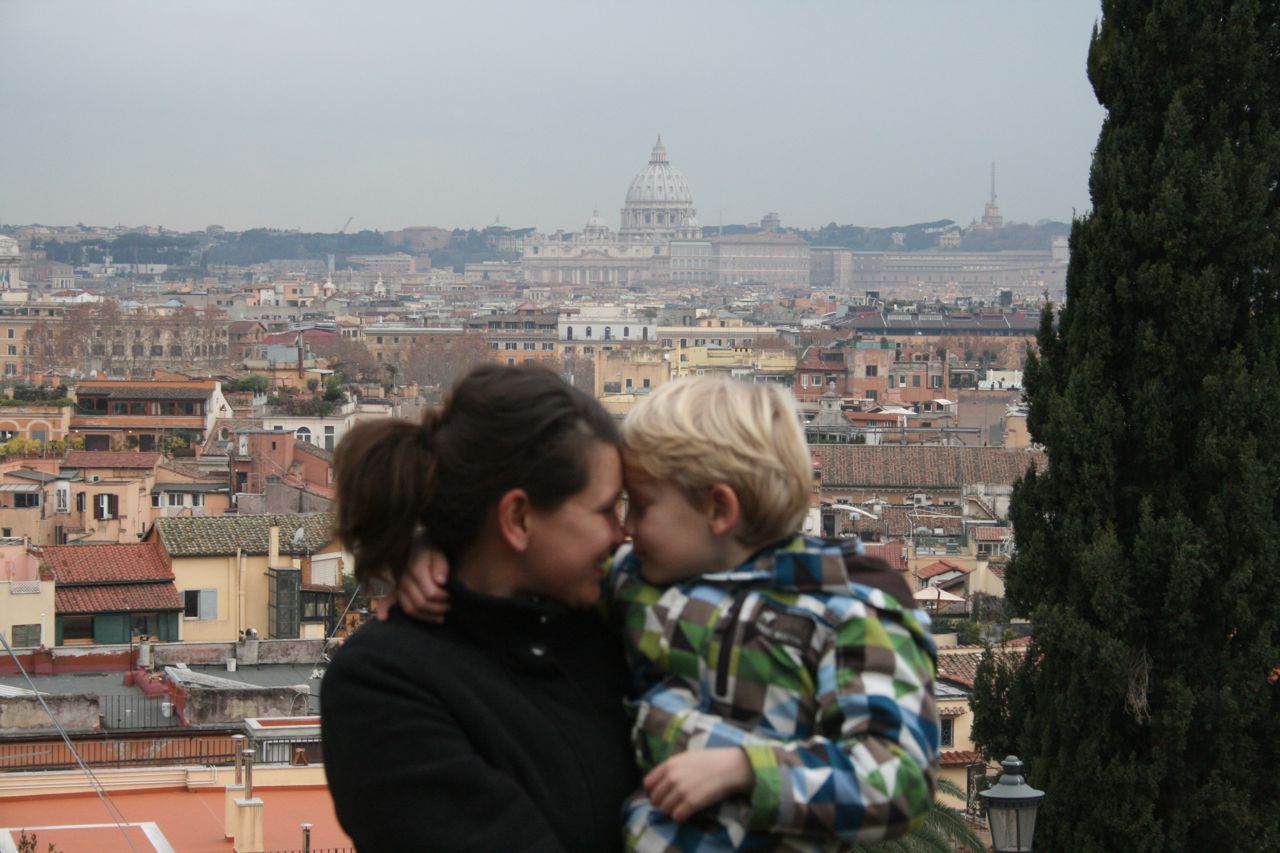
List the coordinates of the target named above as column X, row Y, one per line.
column 343, row 229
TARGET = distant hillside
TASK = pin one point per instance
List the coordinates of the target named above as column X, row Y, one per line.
column 261, row 245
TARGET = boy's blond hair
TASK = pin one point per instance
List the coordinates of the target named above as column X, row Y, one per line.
column 701, row 431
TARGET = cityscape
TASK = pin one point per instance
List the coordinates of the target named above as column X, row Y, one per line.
column 974, row 391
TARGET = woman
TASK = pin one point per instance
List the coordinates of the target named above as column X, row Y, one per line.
column 502, row 728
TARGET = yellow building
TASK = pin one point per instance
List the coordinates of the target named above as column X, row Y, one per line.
column 742, row 362
column 630, row 369
column 277, row 574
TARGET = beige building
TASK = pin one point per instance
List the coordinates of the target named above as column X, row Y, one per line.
column 276, row 574
column 630, row 370
column 26, row 597
column 764, row 258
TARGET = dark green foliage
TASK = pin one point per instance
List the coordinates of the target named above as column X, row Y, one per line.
column 260, row 245
column 1149, row 553
column 255, row 382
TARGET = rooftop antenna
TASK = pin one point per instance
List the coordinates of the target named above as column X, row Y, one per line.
column 993, row 183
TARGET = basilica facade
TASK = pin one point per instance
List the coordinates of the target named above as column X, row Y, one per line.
column 658, row 211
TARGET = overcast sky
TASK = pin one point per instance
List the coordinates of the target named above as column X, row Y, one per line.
column 301, row 114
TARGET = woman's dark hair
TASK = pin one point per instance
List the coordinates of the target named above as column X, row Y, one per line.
column 401, row 485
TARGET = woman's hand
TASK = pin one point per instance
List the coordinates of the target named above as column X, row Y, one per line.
column 420, row 592
column 687, row 783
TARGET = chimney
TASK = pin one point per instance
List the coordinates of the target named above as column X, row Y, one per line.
column 273, row 546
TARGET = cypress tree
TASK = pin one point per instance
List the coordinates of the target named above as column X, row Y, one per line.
column 1149, row 551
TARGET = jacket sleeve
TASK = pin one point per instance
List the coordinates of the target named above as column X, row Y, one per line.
column 404, row 777
column 872, row 772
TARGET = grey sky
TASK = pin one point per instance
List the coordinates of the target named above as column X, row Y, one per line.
column 301, row 114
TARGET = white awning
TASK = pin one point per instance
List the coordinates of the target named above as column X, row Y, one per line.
column 28, row 488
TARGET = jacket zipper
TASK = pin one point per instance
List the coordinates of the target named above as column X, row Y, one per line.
column 727, row 642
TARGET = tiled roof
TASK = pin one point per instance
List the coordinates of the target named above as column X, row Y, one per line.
column 193, row 390
column 193, row 537
column 941, row 567
column 314, row 449
column 892, row 552
column 960, row 758
column 898, row 467
column 116, row 598
column 81, row 564
column 992, row 534
column 960, row 664
column 110, row 459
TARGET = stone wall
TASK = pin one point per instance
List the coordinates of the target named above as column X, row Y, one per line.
column 208, row 707
column 22, row 715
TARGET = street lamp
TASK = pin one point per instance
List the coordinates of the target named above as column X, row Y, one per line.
column 1011, row 809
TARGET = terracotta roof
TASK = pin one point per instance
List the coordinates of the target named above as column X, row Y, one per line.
column 961, row 663
column 996, row 569
column 941, row 567
column 116, row 598
column 892, row 552
column 959, row 758
column 986, row 533
column 314, row 449
column 110, row 459
column 194, row 537
column 190, row 390
column 90, row 564
column 898, row 467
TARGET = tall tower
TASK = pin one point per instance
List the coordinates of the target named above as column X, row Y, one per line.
column 991, row 217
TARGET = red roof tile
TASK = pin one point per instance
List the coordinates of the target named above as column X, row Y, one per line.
column 925, row 468
column 893, row 552
column 941, row 567
column 992, row 534
column 110, row 459
column 116, row 598
column 88, row 564
column 958, row 758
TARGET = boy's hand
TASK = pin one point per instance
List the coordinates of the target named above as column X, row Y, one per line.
column 420, row 592
column 687, row 783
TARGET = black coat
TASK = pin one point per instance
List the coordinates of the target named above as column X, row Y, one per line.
column 503, row 729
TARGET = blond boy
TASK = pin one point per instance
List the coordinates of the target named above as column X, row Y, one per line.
column 783, row 706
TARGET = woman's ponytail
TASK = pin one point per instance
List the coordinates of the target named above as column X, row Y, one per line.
column 384, row 471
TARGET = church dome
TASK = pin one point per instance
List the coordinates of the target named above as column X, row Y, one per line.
column 660, row 182
column 596, row 222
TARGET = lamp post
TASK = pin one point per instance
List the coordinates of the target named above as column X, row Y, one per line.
column 1011, row 809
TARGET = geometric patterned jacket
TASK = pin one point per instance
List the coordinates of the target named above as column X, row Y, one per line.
column 826, row 683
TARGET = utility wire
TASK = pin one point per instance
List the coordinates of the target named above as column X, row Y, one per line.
column 117, row 817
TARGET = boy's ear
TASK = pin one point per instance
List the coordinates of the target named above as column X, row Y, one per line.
column 513, row 519
column 723, row 509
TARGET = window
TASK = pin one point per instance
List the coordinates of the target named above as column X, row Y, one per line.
column 303, row 434
column 200, row 604
column 328, row 438
column 25, row 636
column 23, row 500
column 155, row 499
column 588, row 331
column 197, row 499
column 106, row 506
column 79, row 501
column 157, row 350
column 872, row 370
column 6, row 532
column 77, row 628
column 948, row 731
column 316, row 606
column 915, row 380
column 13, row 350
column 62, row 497
column 10, row 331
column 175, row 498
column 935, row 381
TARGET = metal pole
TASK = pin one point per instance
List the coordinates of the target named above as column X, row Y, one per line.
column 248, row 773
column 306, row 838
column 237, row 742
